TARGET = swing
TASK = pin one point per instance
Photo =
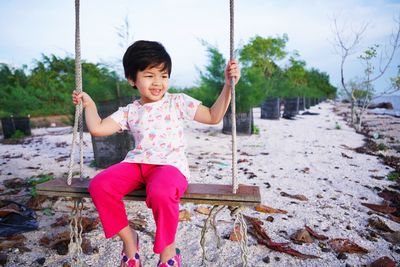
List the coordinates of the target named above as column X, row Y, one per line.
column 235, row 196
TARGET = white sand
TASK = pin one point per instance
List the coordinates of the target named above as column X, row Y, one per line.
column 304, row 157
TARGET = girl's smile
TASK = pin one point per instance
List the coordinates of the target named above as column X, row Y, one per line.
column 152, row 83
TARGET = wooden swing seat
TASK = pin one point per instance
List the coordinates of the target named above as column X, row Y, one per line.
column 213, row 194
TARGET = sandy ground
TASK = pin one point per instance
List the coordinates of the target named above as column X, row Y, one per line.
column 309, row 155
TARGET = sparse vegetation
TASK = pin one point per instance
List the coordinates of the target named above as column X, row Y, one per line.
column 35, row 180
column 393, row 176
column 382, row 147
column 18, row 135
column 256, row 130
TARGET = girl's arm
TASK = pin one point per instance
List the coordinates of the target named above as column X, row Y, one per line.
column 96, row 126
column 215, row 114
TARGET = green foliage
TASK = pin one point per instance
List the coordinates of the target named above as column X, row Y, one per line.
column 318, row 84
column 251, row 90
column 18, row 135
column 212, row 79
column 382, row 147
column 263, row 53
column 47, row 89
column 18, row 100
column 35, row 180
column 255, row 130
column 253, row 86
column 337, row 126
column 48, row 212
column 393, row 176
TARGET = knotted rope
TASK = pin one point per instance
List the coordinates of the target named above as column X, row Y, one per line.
column 78, row 121
column 233, row 101
column 75, row 244
column 236, row 212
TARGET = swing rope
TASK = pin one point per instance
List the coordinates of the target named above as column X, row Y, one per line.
column 78, row 121
column 75, row 248
column 233, row 100
column 75, row 244
column 236, row 212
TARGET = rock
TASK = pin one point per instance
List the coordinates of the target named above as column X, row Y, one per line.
column 266, row 259
column 270, row 219
column 385, row 105
column 87, row 247
column 342, row 256
column 40, row 261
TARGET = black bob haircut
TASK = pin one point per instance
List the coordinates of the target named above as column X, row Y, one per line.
column 144, row 54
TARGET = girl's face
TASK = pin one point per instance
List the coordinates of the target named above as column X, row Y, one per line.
column 152, row 83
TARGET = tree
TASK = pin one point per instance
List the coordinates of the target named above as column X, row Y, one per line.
column 263, row 53
column 212, row 79
column 348, row 46
column 48, row 87
column 296, row 74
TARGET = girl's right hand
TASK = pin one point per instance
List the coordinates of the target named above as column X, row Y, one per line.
column 84, row 97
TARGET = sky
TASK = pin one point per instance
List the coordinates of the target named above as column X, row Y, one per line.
column 30, row 28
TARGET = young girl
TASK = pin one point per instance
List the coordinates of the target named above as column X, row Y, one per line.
column 158, row 160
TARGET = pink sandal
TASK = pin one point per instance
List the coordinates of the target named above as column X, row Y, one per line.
column 171, row 262
column 125, row 261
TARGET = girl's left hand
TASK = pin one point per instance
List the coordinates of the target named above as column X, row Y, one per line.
column 232, row 70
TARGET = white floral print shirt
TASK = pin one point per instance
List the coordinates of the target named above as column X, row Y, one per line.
column 158, row 130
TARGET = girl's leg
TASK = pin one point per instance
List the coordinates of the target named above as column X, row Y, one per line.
column 165, row 186
column 107, row 190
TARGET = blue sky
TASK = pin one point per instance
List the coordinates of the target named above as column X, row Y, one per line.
column 29, row 28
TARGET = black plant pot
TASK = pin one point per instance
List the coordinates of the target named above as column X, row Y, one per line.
column 291, row 107
column 11, row 124
column 106, row 108
column 244, row 123
column 307, row 102
column 270, row 109
column 112, row 149
column 302, row 103
column 109, row 150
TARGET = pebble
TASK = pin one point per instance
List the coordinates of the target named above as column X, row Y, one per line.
column 266, row 259
column 342, row 256
column 270, row 219
column 40, row 261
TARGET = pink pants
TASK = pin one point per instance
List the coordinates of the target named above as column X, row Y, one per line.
column 164, row 186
